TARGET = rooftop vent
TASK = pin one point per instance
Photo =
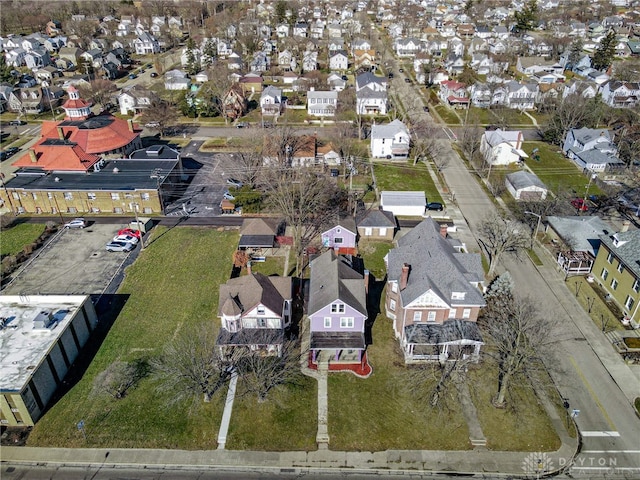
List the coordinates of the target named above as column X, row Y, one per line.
column 116, row 170
column 43, row 321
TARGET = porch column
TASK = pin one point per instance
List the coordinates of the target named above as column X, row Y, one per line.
column 476, row 351
column 314, row 354
column 337, row 355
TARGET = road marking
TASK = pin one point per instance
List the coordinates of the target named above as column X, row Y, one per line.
column 593, row 394
column 603, row 433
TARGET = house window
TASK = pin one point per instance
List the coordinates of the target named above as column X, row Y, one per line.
column 327, row 322
column 394, row 287
column 452, row 313
column 35, row 196
column 457, row 295
column 260, row 310
column 620, row 267
column 636, row 286
column 614, row 284
column 628, row 303
column 117, row 210
column 466, row 313
column 68, row 196
column 115, row 196
column 50, row 195
column 610, row 257
column 262, row 323
column 346, row 322
column 91, row 196
column 417, row 316
column 604, row 274
column 392, row 305
column 431, row 317
column 337, row 308
column 337, row 240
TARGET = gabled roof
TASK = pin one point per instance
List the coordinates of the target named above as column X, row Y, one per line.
column 581, row 233
column 376, row 218
column 388, row 130
column 524, row 179
column 435, row 265
column 331, row 280
column 626, row 246
column 248, row 291
column 496, row 137
column 345, row 222
column 366, row 78
column 60, row 155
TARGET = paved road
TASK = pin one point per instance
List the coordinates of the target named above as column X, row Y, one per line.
column 610, row 429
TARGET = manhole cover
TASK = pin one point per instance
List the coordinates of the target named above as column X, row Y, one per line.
column 94, row 254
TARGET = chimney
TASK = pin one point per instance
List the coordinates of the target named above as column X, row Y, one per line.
column 625, row 226
column 404, row 277
column 443, row 230
column 130, row 123
column 366, row 282
column 32, row 154
column 60, row 133
column 249, row 268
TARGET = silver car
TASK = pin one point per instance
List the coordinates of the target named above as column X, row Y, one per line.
column 120, row 246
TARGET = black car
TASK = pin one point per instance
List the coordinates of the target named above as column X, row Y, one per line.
column 435, row 206
column 8, row 152
column 390, row 75
column 17, row 122
column 407, row 80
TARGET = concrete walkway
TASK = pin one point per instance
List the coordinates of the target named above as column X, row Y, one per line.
column 476, row 436
column 228, row 409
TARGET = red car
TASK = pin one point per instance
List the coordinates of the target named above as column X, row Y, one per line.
column 130, row 231
column 579, row 204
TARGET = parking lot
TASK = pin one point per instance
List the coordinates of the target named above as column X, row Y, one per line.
column 74, row 262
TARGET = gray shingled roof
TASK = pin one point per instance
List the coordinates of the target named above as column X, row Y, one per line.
column 388, row 130
column 376, row 218
column 368, row 92
column 434, row 265
column 327, row 340
column 582, row 233
column 332, row 279
column 524, row 179
column 627, row 249
column 250, row 290
column 438, row 334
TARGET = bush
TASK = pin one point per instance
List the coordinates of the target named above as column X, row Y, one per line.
column 8, row 265
column 6, row 220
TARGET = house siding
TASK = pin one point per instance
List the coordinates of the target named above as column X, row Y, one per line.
column 317, row 319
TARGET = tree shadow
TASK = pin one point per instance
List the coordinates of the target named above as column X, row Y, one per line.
column 374, row 297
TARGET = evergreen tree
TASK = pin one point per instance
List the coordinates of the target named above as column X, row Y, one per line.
column 281, row 11
column 575, row 51
column 527, row 17
column 605, row 52
column 193, row 65
column 5, row 70
column 209, row 53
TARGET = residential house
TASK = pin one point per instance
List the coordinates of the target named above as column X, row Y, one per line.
column 591, row 149
column 322, row 103
column 580, row 240
column 407, row 47
column 360, row 44
column 235, row 103
column 582, row 88
column 376, row 224
column 374, row 82
column 434, row 296
column 336, row 82
column 259, row 235
column 335, row 44
column 176, row 80
column 304, row 152
column 134, row 99
column 271, row 101
column 502, row 147
column 146, row 44
column 286, row 61
column 282, row 30
column 300, row 29
column 254, row 311
column 525, row 186
column 617, row 271
column 15, row 57
column 260, row 62
column 310, row 61
column 338, row 60
column 337, row 312
column 251, row 83
column 521, row 96
column 619, row 94
column 454, row 64
column 454, row 93
column 390, row 141
column 341, row 237
column 531, row 65
column 70, row 55
column 370, row 101
column 364, row 59
column 37, row 58
column 404, row 203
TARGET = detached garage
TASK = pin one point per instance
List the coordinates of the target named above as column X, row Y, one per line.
column 525, row 186
column 404, row 204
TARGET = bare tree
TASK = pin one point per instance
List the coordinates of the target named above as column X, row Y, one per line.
column 469, row 140
column 120, row 377
column 573, row 112
column 161, row 113
column 190, row 365
column 284, row 144
column 260, row 373
column 99, row 91
column 306, row 199
column 425, row 145
column 248, row 165
column 517, row 335
column 500, row 235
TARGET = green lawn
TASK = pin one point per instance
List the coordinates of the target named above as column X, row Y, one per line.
column 374, row 251
column 172, row 287
column 447, row 115
column 271, row 266
column 559, row 173
column 406, row 176
column 15, row 238
column 509, row 116
column 522, row 426
column 600, row 313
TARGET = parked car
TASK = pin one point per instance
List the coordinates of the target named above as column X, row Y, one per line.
column 435, row 206
column 267, row 124
column 154, row 74
column 234, row 182
column 407, row 80
column 242, row 125
column 390, row 75
column 120, row 246
column 76, row 223
column 126, row 238
column 228, row 196
column 11, row 151
column 132, row 76
column 17, row 122
column 425, row 108
column 152, row 125
column 579, row 204
column 130, row 231
column 401, row 70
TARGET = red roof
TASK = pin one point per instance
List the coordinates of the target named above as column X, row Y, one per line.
column 67, row 156
column 77, row 103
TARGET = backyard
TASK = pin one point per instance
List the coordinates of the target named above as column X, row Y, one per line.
column 406, row 176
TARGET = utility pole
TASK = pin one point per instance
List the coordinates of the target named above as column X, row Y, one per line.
column 135, row 209
column 13, row 210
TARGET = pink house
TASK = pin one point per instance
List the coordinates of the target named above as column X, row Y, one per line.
column 342, row 237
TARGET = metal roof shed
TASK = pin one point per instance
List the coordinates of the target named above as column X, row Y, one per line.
column 404, row 203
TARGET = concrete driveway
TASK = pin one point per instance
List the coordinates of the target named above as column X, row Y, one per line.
column 74, row 262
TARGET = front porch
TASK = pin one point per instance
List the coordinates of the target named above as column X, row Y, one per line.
column 341, row 360
column 575, row 263
column 423, row 353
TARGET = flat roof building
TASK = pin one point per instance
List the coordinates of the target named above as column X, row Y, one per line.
column 40, row 338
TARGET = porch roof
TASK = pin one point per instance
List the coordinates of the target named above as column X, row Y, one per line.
column 322, row 340
column 256, row 241
column 451, row 331
column 251, row 336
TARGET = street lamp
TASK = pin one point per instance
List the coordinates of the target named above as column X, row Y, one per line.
column 535, row 235
column 135, row 209
column 586, row 189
